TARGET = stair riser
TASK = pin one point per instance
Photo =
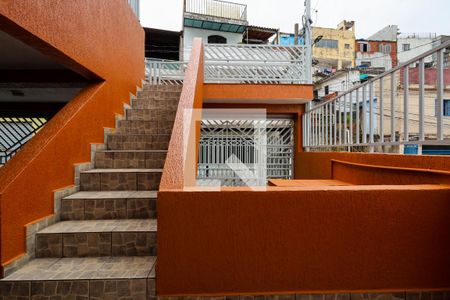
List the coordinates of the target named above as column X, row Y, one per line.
column 137, row 289
column 158, row 95
column 155, row 104
column 127, row 160
column 144, row 127
column 154, row 88
column 120, row 181
column 108, row 209
column 130, row 142
column 142, row 130
column 150, row 115
column 93, row 244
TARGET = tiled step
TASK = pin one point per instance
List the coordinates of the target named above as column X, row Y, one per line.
column 127, row 127
column 151, row 115
column 120, row 180
column 138, row 142
column 109, row 205
column 124, row 159
column 143, row 103
column 97, row 238
column 158, row 95
column 160, row 87
column 82, row 278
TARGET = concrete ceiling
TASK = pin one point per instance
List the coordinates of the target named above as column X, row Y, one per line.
column 20, row 67
column 16, row 55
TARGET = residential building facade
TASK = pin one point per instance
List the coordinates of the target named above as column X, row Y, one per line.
column 379, row 50
column 335, row 47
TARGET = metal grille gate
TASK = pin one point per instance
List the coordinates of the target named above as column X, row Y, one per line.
column 220, row 139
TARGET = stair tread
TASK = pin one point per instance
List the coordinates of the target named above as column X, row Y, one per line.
column 113, row 195
column 88, row 226
column 93, row 171
column 121, row 267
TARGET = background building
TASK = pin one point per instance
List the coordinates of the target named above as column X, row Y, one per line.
column 335, row 47
column 379, row 50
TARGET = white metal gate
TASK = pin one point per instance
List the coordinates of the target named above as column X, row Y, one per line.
column 224, row 139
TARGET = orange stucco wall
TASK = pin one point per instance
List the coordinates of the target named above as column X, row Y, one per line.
column 318, row 165
column 303, row 240
column 258, row 92
column 101, row 40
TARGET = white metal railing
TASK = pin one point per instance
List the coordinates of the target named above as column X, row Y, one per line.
column 165, row 72
column 266, row 64
column 400, row 107
column 216, row 8
column 228, row 141
column 255, row 64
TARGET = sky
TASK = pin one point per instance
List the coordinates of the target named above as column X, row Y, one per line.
column 370, row 15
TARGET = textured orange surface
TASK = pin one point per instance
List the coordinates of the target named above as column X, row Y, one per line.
column 101, row 40
column 315, row 165
column 258, row 92
column 311, row 239
column 191, row 98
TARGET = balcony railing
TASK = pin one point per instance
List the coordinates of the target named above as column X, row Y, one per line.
column 16, row 132
column 404, row 106
column 263, row 64
column 215, row 8
column 165, row 72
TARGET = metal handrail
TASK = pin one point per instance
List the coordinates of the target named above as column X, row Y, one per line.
column 224, row 9
column 393, row 70
column 15, row 133
column 356, row 118
column 241, row 63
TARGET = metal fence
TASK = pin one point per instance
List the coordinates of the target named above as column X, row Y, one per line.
column 255, row 64
column 215, row 8
column 16, row 132
column 404, row 106
column 264, row 64
column 165, row 72
column 224, row 141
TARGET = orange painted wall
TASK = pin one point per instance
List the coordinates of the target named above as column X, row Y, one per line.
column 303, row 240
column 101, row 40
column 317, row 165
column 259, row 92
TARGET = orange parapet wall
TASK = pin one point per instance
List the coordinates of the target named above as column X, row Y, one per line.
column 258, row 93
column 103, row 41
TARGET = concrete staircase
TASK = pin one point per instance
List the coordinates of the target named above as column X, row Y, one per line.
column 104, row 247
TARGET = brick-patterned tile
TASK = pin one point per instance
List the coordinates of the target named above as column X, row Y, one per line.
column 48, row 245
column 118, row 181
column 86, row 244
column 72, row 209
column 104, row 209
column 141, row 208
column 49, row 290
column 90, row 182
column 133, row 243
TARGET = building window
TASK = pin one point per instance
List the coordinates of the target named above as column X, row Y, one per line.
column 446, row 108
column 364, row 47
column 347, row 46
column 324, row 43
column 406, row 47
column 386, row 49
column 216, row 39
column 327, row 90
